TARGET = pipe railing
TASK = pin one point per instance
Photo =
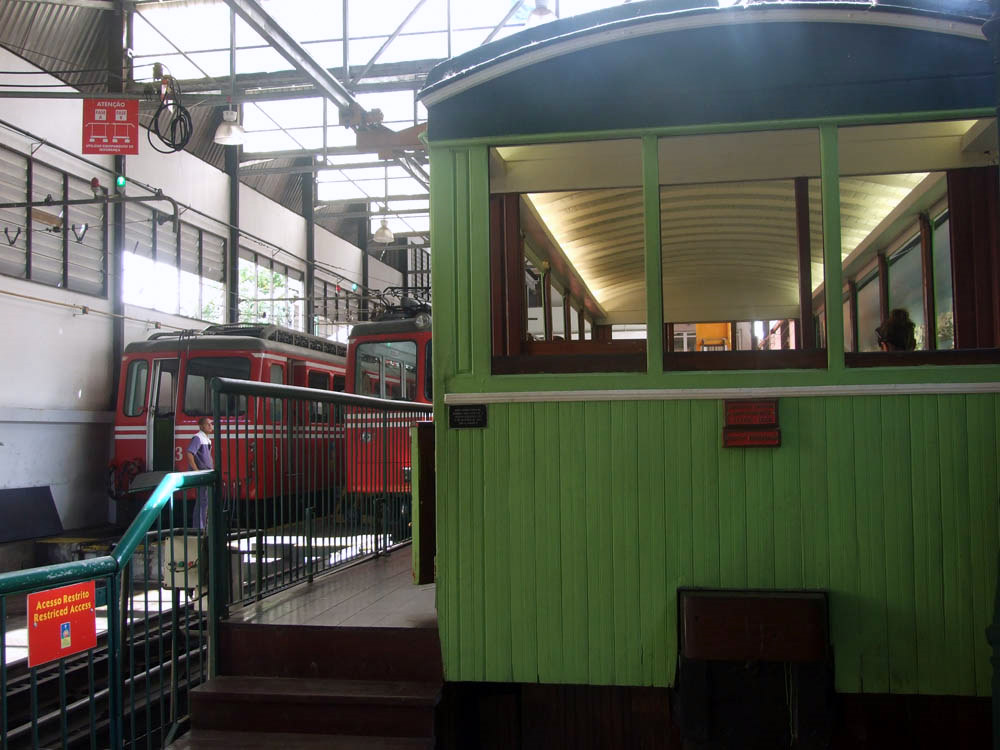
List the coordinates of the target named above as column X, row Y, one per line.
column 310, row 480
column 129, row 689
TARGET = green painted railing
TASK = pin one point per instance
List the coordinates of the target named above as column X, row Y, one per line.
column 311, row 480
column 130, row 690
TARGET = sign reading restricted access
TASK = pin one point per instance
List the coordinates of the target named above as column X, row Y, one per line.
column 111, row 126
column 61, row 622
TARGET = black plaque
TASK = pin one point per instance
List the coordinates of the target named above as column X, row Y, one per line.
column 467, row 416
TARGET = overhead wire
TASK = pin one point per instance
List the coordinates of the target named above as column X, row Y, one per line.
column 179, row 127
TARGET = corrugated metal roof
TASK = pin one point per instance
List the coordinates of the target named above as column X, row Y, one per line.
column 65, row 38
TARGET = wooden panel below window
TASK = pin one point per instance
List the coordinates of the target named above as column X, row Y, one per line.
column 814, row 359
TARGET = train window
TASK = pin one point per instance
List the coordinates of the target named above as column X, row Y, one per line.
column 276, row 375
column 906, row 288
column 869, row 314
column 741, row 239
column 895, row 180
column 136, row 384
column 166, row 387
column 567, row 234
column 339, row 383
column 198, row 394
column 387, row 369
column 318, row 411
column 943, row 306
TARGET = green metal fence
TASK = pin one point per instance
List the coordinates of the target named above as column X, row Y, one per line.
column 152, row 620
column 311, row 481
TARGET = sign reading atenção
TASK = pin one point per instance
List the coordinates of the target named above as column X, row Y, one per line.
column 61, row 622
column 111, row 126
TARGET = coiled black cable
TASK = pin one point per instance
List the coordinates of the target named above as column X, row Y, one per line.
column 178, row 126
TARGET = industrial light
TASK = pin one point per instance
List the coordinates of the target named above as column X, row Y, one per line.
column 120, row 181
column 542, row 13
column 230, row 132
column 383, row 234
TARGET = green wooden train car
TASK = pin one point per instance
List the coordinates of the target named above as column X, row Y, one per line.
column 666, row 240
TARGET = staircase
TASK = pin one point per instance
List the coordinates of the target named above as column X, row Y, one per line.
column 288, row 686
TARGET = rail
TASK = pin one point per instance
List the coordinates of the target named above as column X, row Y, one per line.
column 310, row 480
column 127, row 684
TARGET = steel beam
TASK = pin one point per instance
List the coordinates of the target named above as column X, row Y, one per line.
column 503, row 22
column 390, row 40
column 308, row 168
column 271, row 31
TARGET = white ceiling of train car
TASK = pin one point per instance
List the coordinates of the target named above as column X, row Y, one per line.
column 728, row 225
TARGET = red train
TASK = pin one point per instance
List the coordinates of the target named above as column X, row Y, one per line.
column 164, row 390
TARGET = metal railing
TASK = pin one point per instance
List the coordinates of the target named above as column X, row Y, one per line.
column 129, row 688
column 311, row 480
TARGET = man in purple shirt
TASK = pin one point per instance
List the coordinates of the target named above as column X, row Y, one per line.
column 199, row 457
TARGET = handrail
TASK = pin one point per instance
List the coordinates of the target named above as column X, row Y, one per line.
column 19, row 581
column 233, row 386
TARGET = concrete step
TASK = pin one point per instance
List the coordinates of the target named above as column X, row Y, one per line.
column 209, row 739
column 316, row 706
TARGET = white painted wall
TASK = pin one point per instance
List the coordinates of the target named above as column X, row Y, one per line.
column 55, row 418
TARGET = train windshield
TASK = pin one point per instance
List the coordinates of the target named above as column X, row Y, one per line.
column 387, row 369
column 200, row 371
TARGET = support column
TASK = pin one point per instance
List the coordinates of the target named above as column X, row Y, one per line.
column 832, row 262
column 233, row 246
column 927, row 266
column 806, row 330
column 116, row 28
column 363, row 244
column 308, row 211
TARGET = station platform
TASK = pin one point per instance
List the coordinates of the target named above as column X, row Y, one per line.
column 374, row 593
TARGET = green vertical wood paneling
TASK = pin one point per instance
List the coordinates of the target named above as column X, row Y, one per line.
column 625, row 538
column 566, row 529
column 573, row 544
column 548, row 593
column 496, row 543
column 479, row 260
column 679, row 522
column 874, row 633
column 815, row 501
column 461, row 292
column 788, row 501
column 954, row 459
column 653, row 542
column 732, row 478
column 704, row 468
column 844, row 574
column 900, row 573
column 924, row 498
column 981, row 439
column 600, row 559
column 524, row 648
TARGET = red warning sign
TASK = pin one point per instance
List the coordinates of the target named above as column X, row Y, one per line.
column 61, row 622
column 111, row 126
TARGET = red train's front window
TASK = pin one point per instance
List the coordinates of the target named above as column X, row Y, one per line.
column 387, row 369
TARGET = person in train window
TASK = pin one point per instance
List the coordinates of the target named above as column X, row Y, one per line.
column 199, row 457
column 896, row 334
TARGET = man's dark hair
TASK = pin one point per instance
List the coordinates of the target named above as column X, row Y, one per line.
column 897, row 332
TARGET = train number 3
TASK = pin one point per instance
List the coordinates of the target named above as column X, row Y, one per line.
column 178, row 454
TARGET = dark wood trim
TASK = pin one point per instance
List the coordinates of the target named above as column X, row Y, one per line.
column 566, row 363
column 975, row 256
column 514, row 313
column 424, row 569
column 566, row 319
column 783, row 359
column 852, row 308
column 600, row 333
column 923, row 357
column 622, row 346
column 668, row 337
column 927, row 266
column 581, row 319
column 805, row 337
column 547, row 303
column 883, row 287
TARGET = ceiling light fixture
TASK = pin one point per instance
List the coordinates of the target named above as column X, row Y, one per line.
column 542, row 13
column 383, row 234
column 230, row 132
